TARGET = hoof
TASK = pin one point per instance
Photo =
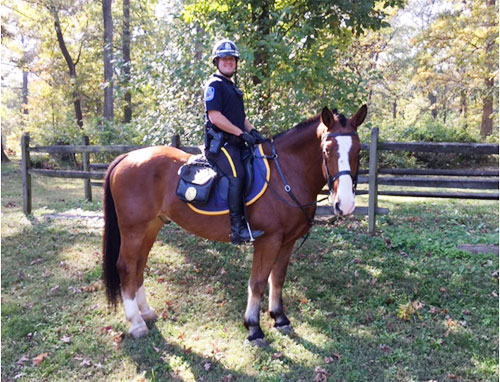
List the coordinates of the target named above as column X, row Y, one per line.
column 149, row 316
column 139, row 331
column 259, row 343
column 285, row 329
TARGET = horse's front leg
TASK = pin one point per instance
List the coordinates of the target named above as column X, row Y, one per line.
column 276, row 281
column 265, row 252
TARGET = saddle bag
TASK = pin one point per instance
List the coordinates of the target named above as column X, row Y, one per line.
column 196, row 183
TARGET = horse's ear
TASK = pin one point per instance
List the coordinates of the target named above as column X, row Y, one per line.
column 358, row 118
column 327, row 117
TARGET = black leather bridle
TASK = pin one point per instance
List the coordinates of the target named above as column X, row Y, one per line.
column 332, row 178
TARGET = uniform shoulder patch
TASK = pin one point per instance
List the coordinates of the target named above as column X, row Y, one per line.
column 209, row 93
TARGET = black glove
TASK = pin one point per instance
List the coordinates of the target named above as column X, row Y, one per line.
column 247, row 138
column 258, row 138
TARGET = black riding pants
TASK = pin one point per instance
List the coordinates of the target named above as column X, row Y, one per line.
column 228, row 161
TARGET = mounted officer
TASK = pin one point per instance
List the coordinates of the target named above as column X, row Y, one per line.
column 228, row 132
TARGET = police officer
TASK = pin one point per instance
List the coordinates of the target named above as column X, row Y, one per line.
column 228, row 132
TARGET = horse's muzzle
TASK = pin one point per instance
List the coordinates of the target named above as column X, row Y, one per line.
column 343, row 208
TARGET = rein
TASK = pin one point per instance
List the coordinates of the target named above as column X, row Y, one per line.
column 287, row 187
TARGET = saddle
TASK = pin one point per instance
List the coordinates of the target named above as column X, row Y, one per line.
column 205, row 190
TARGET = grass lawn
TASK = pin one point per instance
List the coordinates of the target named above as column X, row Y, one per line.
column 403, row 305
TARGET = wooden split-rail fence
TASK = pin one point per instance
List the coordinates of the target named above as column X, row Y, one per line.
column 396, row 181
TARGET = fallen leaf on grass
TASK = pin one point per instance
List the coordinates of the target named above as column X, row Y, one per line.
column 277, row 355
column 84, row 361
column 336, row 356
column 22, row 360
column 321, row 375
column 227, row 378
column 434, row 310
column 39, row 359
column 451, row 325
column 37, row 261
column 207, row 366
column 116, row 336
column 417, row 305
column 385, row 348
column 176, row 375
column 66, row 339
column 406, row 312
column 94, row 287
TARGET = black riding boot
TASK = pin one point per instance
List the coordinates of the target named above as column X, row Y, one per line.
column 239, row 230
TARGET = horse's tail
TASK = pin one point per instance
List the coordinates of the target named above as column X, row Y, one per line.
column 111, row 240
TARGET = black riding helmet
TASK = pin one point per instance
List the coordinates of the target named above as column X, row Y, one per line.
column 224, row 48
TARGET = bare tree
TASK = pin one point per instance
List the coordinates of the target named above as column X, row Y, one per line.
column 70, row 62
column 108, row 60
column 127, row 63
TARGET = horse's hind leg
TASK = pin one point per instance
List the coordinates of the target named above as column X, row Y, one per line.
column 134, row 251
column 276, row 281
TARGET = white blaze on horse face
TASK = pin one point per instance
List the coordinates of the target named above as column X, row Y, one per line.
column 344, row 198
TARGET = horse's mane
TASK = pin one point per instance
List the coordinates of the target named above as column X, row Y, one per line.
column 302, row 125
column 313, row 121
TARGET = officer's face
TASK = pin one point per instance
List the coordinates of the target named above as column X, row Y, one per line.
column 227, row 65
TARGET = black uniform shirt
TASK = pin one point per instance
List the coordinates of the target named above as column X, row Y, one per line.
column 223, row 95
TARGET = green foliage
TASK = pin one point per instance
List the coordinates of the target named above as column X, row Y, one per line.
column 297, row 56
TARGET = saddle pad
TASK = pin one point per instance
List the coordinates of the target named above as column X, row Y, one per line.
column 217, row 204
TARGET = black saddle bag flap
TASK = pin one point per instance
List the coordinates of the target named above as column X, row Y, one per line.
column 196, row 183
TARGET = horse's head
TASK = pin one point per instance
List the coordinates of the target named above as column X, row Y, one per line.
column 340, row 145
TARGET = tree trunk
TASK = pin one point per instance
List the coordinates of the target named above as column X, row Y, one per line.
column 127, row 111
column 25, row 92
column 463, row 107
column 394, row 109
column 261, row 18
column 433, row 99
column 486, row 121
column 5, row 158
column 71, row 66
column 108, row 58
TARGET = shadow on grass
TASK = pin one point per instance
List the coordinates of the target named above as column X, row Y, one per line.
column 159, row 362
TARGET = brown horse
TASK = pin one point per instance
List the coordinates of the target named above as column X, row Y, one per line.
column 140, row 197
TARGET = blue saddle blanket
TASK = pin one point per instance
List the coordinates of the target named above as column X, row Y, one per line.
column 217, row 204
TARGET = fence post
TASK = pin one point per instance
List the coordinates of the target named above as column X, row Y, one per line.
column 86, row 167
column 372, row 180
column 25, row 168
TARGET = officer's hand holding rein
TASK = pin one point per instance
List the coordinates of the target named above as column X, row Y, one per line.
column 248, row 138
column 256, row 135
